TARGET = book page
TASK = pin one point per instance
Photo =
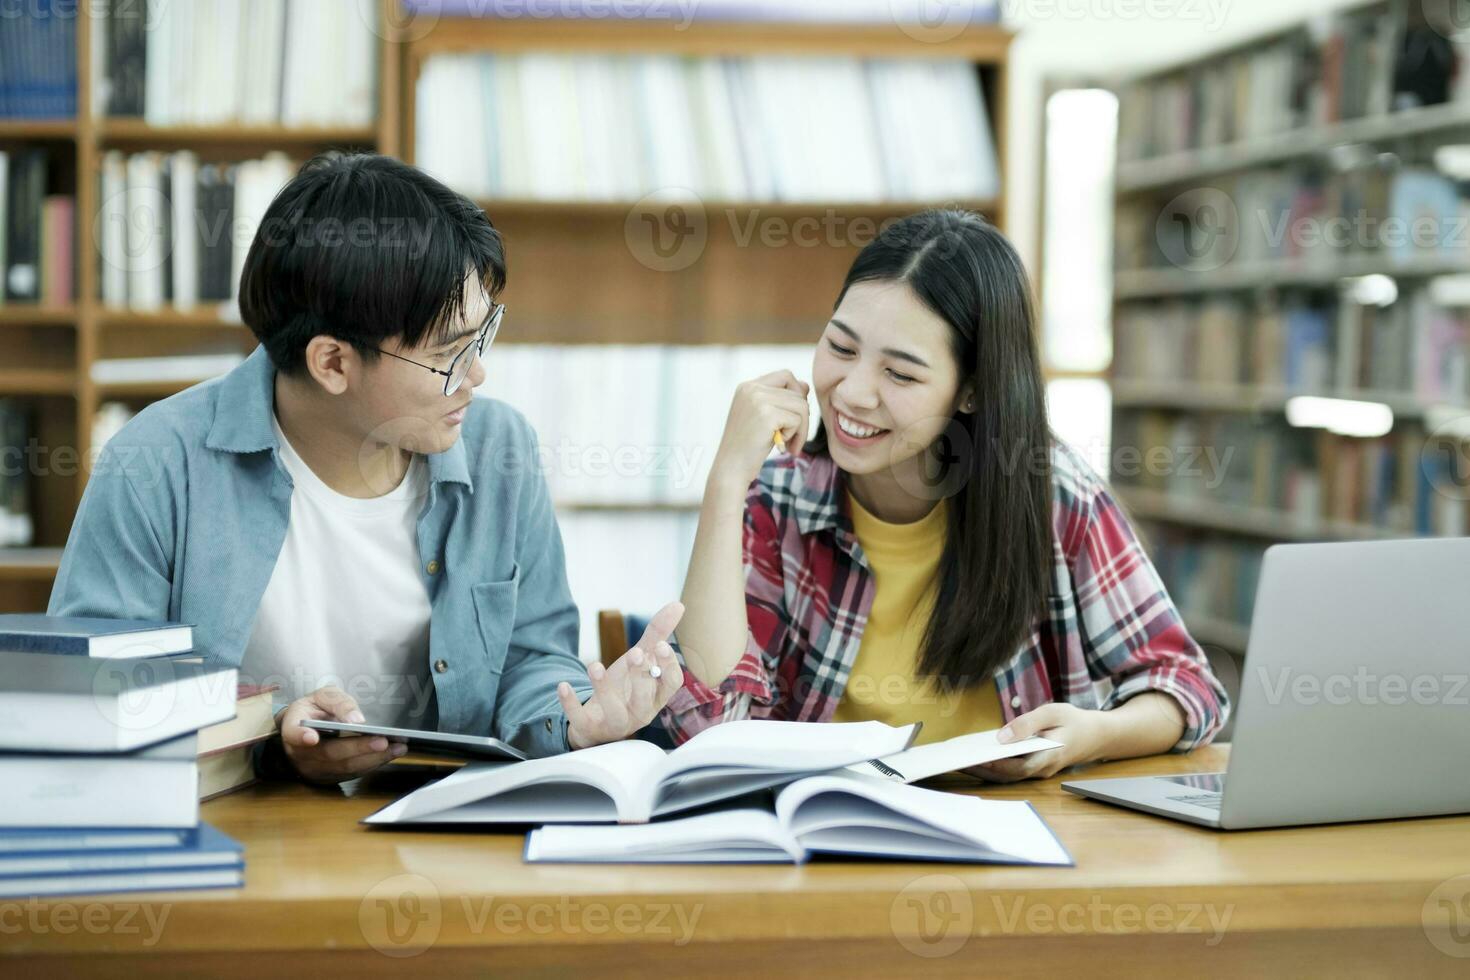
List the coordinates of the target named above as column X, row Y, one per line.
column 729, row 835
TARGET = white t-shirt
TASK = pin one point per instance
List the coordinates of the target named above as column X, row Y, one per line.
column 346, row 606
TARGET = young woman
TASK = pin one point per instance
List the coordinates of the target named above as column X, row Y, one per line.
column 933, row 554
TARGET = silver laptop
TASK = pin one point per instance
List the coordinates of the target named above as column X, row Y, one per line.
column 1354, row 696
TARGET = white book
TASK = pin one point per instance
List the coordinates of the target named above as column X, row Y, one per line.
column 631, row 160
column 760, row 178
column 202, row 61
column 114, row 217
column 256, row 185
column 186, row 367
column 152, row 787
column 663, row 93
column 721, row 158
column 836, row 814
column 360, row 69
column 514, row 149
column 185, row 237
column 972, row 129
column 182, row 82
column 225, row 94
column 159, row 48
column 951, row 755
column 146, row 231
column 631, row 781
column 302, row 47
column 599, row 125
column 266, row 48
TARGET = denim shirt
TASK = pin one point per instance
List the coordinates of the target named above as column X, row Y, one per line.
column 187, row 509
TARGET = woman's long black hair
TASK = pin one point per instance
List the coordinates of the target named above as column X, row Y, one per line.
column 994, row 463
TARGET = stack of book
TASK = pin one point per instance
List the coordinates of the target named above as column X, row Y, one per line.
column 37, row 240
column 101, row 725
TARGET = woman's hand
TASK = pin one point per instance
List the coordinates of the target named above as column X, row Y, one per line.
column 627, row 695
column 760, row 407
column 1147, row 724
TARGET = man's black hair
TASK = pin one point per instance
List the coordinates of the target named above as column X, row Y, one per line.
column 364, row 247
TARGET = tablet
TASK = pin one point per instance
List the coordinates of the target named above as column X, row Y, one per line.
column 429, row 743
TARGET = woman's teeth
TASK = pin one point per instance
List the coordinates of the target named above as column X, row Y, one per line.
column 855, row 430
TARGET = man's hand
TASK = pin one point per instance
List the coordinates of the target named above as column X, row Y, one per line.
column 331, row 760
column 626, row 696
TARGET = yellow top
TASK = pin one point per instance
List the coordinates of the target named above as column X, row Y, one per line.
column 904, row 560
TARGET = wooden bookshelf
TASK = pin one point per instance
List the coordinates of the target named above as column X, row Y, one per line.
column 616, row 298
column 66, row 400
column 611, row 299
column 1144, row 185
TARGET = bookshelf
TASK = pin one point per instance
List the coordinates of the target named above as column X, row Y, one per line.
column 739, row 292
column 64, row 399
column 1213, row 348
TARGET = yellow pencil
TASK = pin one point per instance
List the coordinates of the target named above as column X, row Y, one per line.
column 778, row 442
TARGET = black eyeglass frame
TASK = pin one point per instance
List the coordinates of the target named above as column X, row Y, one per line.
column 482, row 340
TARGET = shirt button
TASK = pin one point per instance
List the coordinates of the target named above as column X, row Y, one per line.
column 440, row 666
column 432, row 567
column 548, row 725
column 1015, row 701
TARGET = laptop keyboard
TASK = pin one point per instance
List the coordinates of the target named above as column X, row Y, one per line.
column 1210, row 801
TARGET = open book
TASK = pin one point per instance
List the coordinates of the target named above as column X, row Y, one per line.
column 632, row 781
column 841, row 813
column 960, row 752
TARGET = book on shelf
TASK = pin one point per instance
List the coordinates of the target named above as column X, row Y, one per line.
column 294, row 63
column 1297, row 217
column 883, row 12
column 1312, row 342
column 38, row 61
column 1348, row 64
column 207, row 858
column 633, row 781
column 84, row 636
column 1208, row 575
column 181, row 367
column 17, row 527
column 175, row 232
column 1300, row 482
column 36, row 256
column 614, row 127
column 838, row 814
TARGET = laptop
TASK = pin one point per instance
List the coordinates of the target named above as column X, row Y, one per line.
column 1354, row 696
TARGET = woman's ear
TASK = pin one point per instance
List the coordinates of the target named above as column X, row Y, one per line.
column 965, row 400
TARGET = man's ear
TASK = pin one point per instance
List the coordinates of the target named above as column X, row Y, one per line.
column 329, row 361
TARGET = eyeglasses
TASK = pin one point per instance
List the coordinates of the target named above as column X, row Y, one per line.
column 459, row 368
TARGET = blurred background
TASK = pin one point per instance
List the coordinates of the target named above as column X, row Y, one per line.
column 1245, row 221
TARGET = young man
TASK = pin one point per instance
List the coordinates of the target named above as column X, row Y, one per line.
column 339, row 513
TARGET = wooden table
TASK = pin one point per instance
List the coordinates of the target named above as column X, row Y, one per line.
column 1147, row 894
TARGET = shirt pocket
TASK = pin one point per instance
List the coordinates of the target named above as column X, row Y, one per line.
column 495, row 611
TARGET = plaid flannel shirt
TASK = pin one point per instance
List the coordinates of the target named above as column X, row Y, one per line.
column 1110, row 631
